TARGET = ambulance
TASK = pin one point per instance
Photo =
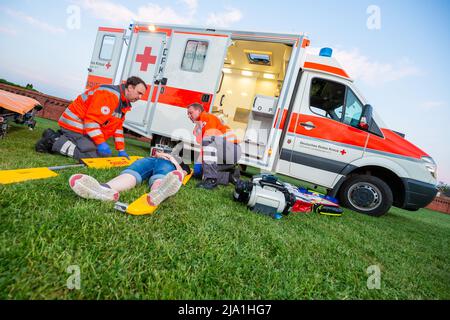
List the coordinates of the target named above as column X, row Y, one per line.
column 296, row 114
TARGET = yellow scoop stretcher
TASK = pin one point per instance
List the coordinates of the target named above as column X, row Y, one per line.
column 20, row 175
column 141, row 206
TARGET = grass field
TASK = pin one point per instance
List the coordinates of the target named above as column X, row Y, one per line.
column 202, row 245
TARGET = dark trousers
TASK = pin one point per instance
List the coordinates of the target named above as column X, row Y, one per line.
column 218, row 152
column 75, row 145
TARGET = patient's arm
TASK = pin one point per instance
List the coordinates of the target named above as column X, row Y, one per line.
column 176, row 164
column 170, row 158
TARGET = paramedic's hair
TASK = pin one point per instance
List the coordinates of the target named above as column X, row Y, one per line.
column 134, row 81
column 197, row 106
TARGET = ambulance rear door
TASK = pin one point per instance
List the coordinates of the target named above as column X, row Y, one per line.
column 106, row 56
column 192, row 74
column 145, row 59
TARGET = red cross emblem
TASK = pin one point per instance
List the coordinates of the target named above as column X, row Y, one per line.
column 108, row 65
column 146, row 58
column 343, row 152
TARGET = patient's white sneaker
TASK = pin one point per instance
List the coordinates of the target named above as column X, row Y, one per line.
column 168, row 187
column 89, row 188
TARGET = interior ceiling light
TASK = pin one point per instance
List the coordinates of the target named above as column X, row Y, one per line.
column 247, row 73
column 269, row 76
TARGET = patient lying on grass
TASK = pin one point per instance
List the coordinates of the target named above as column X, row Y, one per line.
column 165, row 173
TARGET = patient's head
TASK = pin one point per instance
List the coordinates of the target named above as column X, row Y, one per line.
column 194, row 110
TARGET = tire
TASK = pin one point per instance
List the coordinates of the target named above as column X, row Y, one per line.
column 366, row 194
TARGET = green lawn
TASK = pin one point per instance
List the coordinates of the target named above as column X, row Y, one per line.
column 202, row 245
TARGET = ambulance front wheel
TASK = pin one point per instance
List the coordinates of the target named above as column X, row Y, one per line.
column 366, row 194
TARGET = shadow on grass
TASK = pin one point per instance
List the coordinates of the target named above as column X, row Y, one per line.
column 15, row 128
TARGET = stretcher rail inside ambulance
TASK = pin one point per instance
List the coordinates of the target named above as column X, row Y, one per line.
column 294, row 113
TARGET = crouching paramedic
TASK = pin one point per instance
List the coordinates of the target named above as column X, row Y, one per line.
column 219, row 146
column 90, row 120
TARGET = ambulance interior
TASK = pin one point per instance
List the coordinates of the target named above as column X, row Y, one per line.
column 252, row 79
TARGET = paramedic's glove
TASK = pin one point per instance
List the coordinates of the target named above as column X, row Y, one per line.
column 198, row 170
column 124, row 154
column 104, row 150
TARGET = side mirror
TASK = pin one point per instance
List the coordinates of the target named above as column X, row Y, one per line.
column 366, row 118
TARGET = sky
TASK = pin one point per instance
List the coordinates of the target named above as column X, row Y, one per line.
column 396, row 51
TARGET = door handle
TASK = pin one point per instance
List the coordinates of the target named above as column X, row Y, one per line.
column 162, row 81
column 206, row 97
column 221, row 100
column 307, row 125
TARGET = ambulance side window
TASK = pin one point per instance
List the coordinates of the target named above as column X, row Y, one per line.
column 107, row 48
column 327, row 98
column 194, row 56
column 353, row 109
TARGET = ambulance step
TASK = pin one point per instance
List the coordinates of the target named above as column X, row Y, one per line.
column 253, row 149
column 256, row 143
column 247, row 155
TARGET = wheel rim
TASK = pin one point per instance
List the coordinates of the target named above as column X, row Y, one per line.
column 364, row 196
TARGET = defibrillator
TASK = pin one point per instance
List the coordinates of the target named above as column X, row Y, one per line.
column 265, row 194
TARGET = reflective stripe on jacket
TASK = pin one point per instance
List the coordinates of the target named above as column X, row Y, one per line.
column 99, row 113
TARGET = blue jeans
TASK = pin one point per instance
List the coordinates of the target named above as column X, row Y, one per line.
column 149, row 168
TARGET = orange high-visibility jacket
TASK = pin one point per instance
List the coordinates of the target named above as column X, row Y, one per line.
column 99, row 113
column 210, row 125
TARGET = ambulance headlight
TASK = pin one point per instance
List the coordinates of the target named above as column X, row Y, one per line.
column 431, row 166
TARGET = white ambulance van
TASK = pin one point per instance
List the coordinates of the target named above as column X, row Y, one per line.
column 295, row 114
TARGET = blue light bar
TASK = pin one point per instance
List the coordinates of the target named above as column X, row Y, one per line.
column 326, row 52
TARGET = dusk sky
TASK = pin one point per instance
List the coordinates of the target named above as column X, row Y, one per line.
column 401, row 65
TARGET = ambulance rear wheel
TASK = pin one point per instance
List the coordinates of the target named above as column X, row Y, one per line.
column 366, row 194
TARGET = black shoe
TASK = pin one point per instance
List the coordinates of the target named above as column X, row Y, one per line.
column 235, row 176
column 208, row 184
column 45, row 144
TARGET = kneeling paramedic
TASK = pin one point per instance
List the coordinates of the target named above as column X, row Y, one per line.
column 220, row 147
column 91, row 119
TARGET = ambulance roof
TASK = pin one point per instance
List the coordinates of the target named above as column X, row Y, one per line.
column 327, row 65
column 256, row 33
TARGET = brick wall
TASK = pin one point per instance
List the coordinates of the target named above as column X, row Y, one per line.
column 441, row 204
column 53, row 106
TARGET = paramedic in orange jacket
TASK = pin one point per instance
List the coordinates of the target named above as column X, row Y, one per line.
column 220, row 146
column 95, row 116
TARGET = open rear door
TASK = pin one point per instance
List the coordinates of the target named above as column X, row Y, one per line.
column 146, row 57
column 192, row 74
column 105, row 57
